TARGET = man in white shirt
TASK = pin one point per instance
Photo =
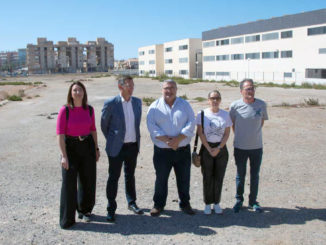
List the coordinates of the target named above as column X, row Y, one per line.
column 120, row 123
column 171, row 122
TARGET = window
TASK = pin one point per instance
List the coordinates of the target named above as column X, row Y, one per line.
column 317, row 30
column 236, row 56
column 254, row 38
column 209, row 58
column 236, row 40
column 151, row 71
column 141, row 53
column 183, row 60
column 209, row 73
column 151, row 62
column 141, row 72
column 168, row 61
column 168, row 72
column 287, row 74
column 322, row 51
column 316, row 73
column 222, row 57
column 286, row 34
column 253, row 56
column 169, row 49
column 270, row 55
column 183, row 47
column 286, row 54
column 183, row 72
column 152, row 51
column 222, row 42
column 141, row 62
column 209, row 44
column 270, row 36
column 222, row 73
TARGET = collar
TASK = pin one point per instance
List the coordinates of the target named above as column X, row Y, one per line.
column 123, row 100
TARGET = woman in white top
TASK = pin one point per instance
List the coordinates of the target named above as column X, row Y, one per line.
column 214, row 154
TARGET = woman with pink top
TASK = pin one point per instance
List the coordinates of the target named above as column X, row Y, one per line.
column 77, row 140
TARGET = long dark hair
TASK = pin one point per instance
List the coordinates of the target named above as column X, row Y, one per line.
column 70, row 100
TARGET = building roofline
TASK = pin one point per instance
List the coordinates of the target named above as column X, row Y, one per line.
column 276, row 23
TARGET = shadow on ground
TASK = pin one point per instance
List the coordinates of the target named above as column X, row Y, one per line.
column 174, row 222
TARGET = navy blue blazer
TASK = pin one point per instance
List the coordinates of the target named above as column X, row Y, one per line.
column 113, row 123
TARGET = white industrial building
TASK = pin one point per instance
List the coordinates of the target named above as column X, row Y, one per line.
column 285, row 49
column 180, row 58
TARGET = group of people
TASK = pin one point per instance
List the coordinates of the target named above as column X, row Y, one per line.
column 171, row 124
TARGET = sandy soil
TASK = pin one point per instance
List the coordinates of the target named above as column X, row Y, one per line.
column 292, row 186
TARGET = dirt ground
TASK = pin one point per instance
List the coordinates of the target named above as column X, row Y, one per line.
column 292, row 180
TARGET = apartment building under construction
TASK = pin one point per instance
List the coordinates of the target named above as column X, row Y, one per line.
column 70, row 56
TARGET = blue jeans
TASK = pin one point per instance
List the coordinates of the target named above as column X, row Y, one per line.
column 255, row 158
column 164, row 160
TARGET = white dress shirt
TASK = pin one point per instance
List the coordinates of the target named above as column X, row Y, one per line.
column 128, row 112
column 164, row 120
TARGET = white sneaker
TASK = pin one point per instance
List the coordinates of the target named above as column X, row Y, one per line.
column 217, row 209
column 208, row 209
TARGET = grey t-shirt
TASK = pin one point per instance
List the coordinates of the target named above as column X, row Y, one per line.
column 247, row 119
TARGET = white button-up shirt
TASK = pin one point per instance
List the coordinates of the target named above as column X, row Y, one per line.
column 128, row 112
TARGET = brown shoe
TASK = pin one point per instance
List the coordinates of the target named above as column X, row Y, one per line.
column 155, row 211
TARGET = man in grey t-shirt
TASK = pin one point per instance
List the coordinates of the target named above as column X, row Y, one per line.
column 248, row 115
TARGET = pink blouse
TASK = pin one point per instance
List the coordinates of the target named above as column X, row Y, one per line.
column 79, row 122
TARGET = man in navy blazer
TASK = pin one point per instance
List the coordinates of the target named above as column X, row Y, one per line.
column 120, row 123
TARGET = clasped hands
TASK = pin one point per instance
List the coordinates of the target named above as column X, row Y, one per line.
column 213, row 151
column 171, row 141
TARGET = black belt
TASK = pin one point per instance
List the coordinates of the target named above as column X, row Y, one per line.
column 78, row 138
column 214, row 144
column 129, row 143
column 178, row 149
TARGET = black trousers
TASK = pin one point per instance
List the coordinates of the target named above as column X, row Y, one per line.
column 82, row 170
column 213, row 170
column 128, row 156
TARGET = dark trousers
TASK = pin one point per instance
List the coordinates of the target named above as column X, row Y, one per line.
column 82, row 169
column 164, row 160
column 213, row 170
column 255, row 158
column 128, row 156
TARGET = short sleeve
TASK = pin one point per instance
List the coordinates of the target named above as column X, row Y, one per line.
column 61, row 121
column 264, row 109
column 198, row 118
column 228, row 120
column 93, row 126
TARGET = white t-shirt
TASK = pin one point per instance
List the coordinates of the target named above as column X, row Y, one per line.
column 214, row 124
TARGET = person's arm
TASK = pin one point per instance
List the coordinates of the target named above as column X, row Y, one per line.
column 62, row 147
column 225, row 138
column 155, row 131
column 97, row 150
column 203, row 138
column 106, row 118
column 262, row 122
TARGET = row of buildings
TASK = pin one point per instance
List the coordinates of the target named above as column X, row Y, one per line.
column 11, row 60
column 69, row 56
column 288, row 49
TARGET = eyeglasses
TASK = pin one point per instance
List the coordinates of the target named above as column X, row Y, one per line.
column 214, row 98
column 249, row 89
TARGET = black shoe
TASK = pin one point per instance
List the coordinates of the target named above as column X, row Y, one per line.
column 155, row 211
column 237, row 206
column 110, row 217
column 86, row 217
column 188, row 210
column 135, row 209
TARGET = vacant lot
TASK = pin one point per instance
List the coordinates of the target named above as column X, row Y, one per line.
column 292, row 186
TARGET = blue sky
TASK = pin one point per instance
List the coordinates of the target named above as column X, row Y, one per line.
column 131, row 24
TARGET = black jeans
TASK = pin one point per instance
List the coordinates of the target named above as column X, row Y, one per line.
column 213, row 170
column 164, row 160
column 255, row 158
column 82, row 169
column 128, row 156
